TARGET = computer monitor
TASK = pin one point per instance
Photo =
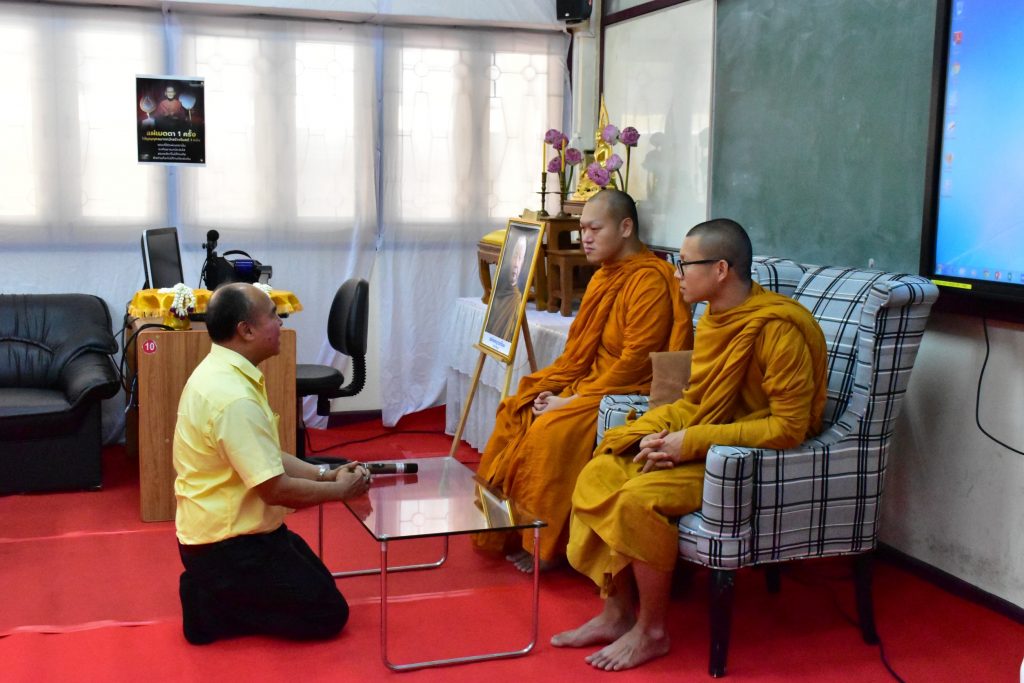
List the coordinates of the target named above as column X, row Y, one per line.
column 161, row 257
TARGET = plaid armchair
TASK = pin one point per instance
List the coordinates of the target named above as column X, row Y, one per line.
column 822, row 498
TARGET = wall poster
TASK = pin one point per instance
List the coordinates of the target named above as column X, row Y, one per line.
column 170, row 119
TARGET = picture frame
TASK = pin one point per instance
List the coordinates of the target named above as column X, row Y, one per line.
column 517, row 261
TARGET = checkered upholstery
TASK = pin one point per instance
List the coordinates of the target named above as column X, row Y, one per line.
column 822, row 497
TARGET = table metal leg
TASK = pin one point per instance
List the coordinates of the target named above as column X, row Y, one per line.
column 455, row 660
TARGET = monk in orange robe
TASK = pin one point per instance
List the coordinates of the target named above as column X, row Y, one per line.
column 758, row 379
column 545, row 433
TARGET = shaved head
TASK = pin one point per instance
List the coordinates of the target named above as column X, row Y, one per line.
column 620, row 206
column 725, row 239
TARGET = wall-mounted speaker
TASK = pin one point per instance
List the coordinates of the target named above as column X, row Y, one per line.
column 573, row 11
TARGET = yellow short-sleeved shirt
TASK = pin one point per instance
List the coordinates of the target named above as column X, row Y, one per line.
column 225, row 442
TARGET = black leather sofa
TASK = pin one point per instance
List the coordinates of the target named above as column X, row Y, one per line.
column 55, row 369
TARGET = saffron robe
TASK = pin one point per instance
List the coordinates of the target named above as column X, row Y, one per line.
column 758, row 379
column 631, row 308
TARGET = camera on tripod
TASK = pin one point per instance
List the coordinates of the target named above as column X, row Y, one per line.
column 219, row 269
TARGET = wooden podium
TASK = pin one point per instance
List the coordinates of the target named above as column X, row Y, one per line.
column 163, row 361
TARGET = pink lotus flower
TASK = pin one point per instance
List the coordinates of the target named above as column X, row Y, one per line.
column 554, row 137
column 573, row 156
column 629, row 136
column 610, row 134
column 555, row 165
column 614, row 163
column 598, row 174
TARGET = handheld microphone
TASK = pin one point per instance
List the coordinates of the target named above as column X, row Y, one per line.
column 392, row 467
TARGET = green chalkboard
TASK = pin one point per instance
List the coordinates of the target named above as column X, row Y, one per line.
column 820, row 128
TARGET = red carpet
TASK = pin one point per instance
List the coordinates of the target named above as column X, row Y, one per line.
column 89, row 594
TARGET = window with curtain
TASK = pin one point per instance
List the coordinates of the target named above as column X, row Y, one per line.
column 69, row 173
column 464, row 119
column 331, row 148
column 292, row 119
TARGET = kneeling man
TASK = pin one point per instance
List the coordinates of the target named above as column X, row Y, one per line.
column 245, row 572
column 758, row 380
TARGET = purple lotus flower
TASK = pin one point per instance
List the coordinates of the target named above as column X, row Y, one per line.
column 555, row 165
column 629, row 136
column 598, row 174
column 573, row 156
column 553, row 137
column 610, row 134
column 614, row 163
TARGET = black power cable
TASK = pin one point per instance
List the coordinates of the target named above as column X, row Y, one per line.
column 977, row 400
column 342, row 444
column 842, row 612
column 122, row 369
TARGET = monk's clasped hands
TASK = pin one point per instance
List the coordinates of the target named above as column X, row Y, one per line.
column 547, row 401
column 661, row 451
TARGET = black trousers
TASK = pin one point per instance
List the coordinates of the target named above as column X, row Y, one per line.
column 271, row 584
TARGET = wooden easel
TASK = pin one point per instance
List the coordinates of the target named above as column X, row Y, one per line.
column 509, row 365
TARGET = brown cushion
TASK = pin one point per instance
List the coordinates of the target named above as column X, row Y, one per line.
column 671, row 376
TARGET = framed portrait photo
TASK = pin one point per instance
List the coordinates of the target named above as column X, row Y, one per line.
column 507, row 306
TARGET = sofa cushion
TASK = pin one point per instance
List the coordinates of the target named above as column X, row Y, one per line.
column 15, row 401
column 41, row 333
column 670, row 376
column 836, row 297
column 27, row 413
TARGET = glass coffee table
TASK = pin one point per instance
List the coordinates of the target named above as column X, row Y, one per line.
column 443, row 499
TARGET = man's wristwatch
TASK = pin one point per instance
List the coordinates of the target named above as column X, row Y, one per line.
column 321, row 474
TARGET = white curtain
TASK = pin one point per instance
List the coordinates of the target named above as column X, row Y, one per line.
column 465, row 114
column 328, row 144
column 292, row 131
column 73, row 200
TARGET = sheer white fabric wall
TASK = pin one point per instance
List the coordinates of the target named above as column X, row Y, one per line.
column 465, row 113
column 73, row 201
column 297, row 114
column 292, row 129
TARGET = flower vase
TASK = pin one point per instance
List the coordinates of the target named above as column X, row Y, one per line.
column 175, row 323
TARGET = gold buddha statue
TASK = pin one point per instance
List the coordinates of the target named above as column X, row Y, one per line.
column 587, row 188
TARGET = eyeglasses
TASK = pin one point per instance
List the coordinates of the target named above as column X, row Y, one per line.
column 682, row 265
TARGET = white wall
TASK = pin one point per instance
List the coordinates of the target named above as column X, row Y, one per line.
column 954, row 498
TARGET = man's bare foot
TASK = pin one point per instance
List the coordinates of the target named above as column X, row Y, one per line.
column 631, row 650
column 601, row 629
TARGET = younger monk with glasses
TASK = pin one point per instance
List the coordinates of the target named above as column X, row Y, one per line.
column 545, row 433
column 757, row 380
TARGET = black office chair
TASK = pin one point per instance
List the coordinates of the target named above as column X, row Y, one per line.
column 346, row 332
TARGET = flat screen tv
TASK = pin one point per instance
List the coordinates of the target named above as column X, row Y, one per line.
column 161, row 257
column 973, row 233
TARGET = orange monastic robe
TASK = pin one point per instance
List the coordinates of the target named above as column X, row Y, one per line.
column 758, row 379
column 631, row 308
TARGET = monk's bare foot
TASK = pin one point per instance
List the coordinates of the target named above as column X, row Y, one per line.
column 518, row 556
column 601, row 629
column 524, row 563
column 631, row 650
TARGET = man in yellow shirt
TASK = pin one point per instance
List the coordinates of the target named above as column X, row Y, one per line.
column 245, row 572
column 757, row 379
